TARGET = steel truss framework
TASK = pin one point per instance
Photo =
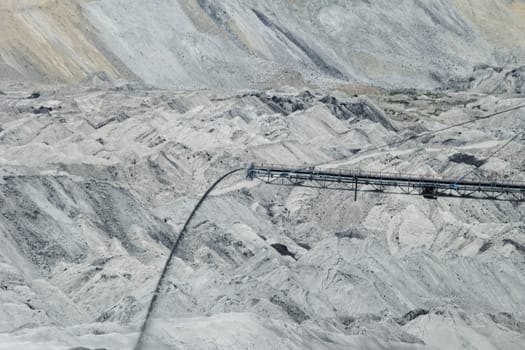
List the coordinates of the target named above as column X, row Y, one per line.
column 427, row 186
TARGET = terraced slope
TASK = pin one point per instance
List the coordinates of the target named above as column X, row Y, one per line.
column 192, row 44
column 50, row 41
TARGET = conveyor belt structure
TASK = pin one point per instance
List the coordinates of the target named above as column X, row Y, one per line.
column 397, row 183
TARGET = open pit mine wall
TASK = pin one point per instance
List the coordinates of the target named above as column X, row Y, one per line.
column 246, row 43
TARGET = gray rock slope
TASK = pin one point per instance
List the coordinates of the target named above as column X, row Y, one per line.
column 97, row 180
column 193, row 44
column 238, row 43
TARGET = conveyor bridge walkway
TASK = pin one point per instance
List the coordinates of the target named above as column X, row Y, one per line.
column 396, row 183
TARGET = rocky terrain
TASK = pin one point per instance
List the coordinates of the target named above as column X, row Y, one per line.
column 98, row 178
column 116, row 116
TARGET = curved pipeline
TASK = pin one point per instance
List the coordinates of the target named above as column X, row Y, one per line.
column 153, row 301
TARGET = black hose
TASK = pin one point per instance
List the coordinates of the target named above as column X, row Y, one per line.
column 153, row 301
